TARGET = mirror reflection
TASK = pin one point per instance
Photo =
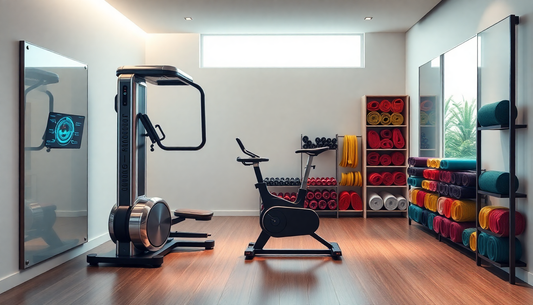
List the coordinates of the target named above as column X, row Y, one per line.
column 53, row 201
column 430, row 110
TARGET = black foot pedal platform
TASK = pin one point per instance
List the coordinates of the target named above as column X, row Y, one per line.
column 334, row 252
column 148, row 259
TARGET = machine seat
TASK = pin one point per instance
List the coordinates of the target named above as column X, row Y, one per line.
column 194, row 214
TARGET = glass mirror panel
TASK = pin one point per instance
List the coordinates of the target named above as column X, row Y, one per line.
column 53, row 154
column 430, row 110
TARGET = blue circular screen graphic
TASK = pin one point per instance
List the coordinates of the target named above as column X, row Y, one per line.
column 64, row 131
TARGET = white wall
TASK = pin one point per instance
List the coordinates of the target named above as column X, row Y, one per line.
column 452, row 23
column 91, row 32
column 267, row 108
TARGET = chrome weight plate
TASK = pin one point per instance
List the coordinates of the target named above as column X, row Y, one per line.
column 149, row 224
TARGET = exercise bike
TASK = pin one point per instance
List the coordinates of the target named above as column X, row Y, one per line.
column 140, row 225
column 282, row 218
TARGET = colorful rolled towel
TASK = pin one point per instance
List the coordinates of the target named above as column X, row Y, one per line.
column 372, row 106
column 496, row 182
column 434, row 162
column 375, row 179
column 460, row 192
column 456, row 230
column 484, row 214
column 430, row 202
column 417, row 161
column 388, row 178
column 385, row 159
column 372, row 158
column 469, row 179
column 415, row 213
column 397, row 138
column 412, row 194
column 416, row 171
column 473, row 241
column 373, row 118
column 430, row 173
column 402, row 203
column 386, row 144
column 440, row 205
column 397, row 105
column 385, row 134
column 437, row 221
column 344, row 200
column 448, row 207
column 373, row 139
column 431, row 217
column 482, row 243
column 385, row 118
column 396, row 118
column 398, row 158
column 444, row 189
column 495, row 114
column 445, row 227
column 466, row 236
column 433, row 185
column 458, row 164
column 424, row 217
column 424, row 118
column 425, row 184
column 375, row 202
column 356, row 202
column 463, row 210
column 445, row 176
column 389, row 201
column 399, row 178
column 415, row 181
column 498, row 249
column 385, row 106
column 420, row 195
column 499, row 222
column 426, row 105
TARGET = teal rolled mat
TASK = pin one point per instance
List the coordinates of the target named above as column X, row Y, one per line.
column 466, row 236
column 482, row 243
column 458, row 164
column 415, row 212
column 496, row 182
column 415, row 181
column 494, row 114
column 498, row 249
column 430, row 220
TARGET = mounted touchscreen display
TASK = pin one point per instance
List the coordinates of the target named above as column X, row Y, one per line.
column 64, row 130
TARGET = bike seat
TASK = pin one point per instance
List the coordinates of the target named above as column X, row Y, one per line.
column 194, row 214
column 312, row 151
column 251, row 161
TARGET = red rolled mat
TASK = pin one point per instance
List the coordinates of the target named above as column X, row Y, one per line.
column 318, row 195
column 420, row 199
column 372, row 106
column 332, row 204
column 447, row 176
column 436, row 223
column 333, row 194
column 435, row 174
column 499, row 222
column 447, row 210
column 373, row 139
column 310, row 196
column 313, row 204
column 433, row 185
column 397, row 105
column 386, row 134
column 326, row 195
column 385, row 106
column 426, row 105
column 386, row 144
column 397, row 138
column 357, row 203
column 445, row 227
column 431, row 174
column 457, row 228
column 398, row 158
column 388, row 178
column 375, row 179
column 399, row 178
column 372, row 158
column 306, row 203
column 385, row 159
column 344, row 200
column 322, row 204
column 293, row 197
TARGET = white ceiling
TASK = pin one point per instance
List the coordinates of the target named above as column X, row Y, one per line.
column 274, row 16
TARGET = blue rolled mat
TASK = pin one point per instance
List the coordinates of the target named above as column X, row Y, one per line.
column 498, row 249
column 469, row 179
column 482, row 243
column 430, row 220
column 443, row 189
column 466, row 236
column 415, row 181
column 458, row 164
column 496, row 182
column 416, row 171
column 461, row 192
column 494, row 114
column 424, row 217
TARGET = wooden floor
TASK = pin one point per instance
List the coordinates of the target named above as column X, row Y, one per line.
column 385, row 261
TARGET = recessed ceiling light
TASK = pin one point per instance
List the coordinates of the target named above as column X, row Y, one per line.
column 188, row 18
column 368, row 18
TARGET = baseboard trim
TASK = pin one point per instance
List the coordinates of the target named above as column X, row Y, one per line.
column 22, row 276
column 236, row 213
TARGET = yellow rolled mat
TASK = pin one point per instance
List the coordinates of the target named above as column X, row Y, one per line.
column 373, row 118
column 463, row 210
column 430, row 202
column 473, row 238
column 385, row 118
column 424, row 118
column 484, row 215
column 396, row 118
column 433, row 162
column 350, row 154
